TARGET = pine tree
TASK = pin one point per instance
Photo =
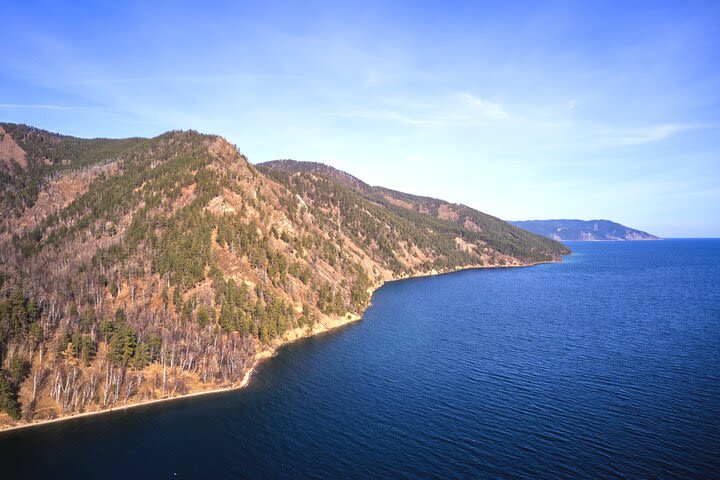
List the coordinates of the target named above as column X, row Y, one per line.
column 8, row 397
column 122, row 345
column 141, row 356
column 87, row 349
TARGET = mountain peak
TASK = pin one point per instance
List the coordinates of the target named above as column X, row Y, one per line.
column 173, row 254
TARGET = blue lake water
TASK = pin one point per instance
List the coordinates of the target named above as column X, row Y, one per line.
column 604, row 366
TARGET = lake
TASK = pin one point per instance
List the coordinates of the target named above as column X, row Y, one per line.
column 604, row 366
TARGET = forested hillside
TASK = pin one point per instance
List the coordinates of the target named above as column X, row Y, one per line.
column 433, row 222
column 138, row 269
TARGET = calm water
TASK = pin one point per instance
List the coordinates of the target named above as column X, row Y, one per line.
column 605, row 366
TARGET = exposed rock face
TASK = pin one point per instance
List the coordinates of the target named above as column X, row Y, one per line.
column 10, row 152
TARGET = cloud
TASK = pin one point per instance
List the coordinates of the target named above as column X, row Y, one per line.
column 485, row 107
column 453, row 110
column 653, row 133
column 605, row 136
column 395, row 116
column 28, row 106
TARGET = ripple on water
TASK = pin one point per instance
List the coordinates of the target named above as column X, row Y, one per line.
column 605, row 366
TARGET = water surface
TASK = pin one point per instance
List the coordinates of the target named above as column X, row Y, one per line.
column 604, row 366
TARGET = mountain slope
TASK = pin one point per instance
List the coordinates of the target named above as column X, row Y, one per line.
column 138, row 269
column 488, row 236
column 585, row 230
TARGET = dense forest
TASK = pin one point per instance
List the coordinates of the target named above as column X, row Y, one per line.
column 136, row 269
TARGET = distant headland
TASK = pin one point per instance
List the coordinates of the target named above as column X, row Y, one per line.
column 583, row 230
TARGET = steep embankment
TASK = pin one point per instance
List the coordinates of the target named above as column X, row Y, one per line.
column 140, row 269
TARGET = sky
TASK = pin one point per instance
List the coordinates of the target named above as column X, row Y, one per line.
column 527, row 110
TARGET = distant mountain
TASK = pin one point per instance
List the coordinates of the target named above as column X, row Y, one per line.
column 584, row 230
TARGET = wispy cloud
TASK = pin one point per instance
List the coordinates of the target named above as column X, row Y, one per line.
column 606, row 137
column 461, row 109
column 653, row 133
column 485, row 107
column 31, row 106
column 421, row 118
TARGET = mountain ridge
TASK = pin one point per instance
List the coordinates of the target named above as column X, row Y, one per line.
column 139, row 269
column 583, row 230
column 469, row 219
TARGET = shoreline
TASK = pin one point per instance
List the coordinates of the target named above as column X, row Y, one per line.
column 290, row 337
column 294, row 335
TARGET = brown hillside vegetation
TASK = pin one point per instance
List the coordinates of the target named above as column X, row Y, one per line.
column 139, row 269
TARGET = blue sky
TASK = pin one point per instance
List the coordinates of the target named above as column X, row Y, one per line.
column 528, row 110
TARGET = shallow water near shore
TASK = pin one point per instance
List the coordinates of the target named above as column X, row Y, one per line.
column 606, row 365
